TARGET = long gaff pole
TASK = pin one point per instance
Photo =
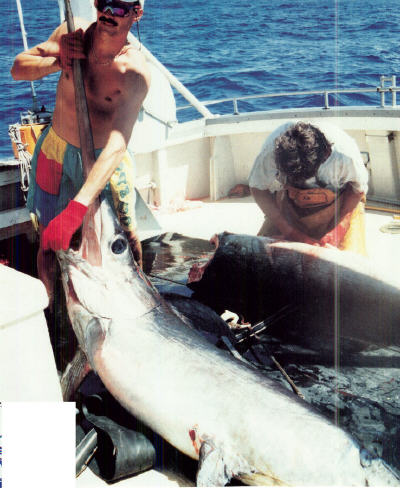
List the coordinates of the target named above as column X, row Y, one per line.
column 82, row 111
column 25, row 42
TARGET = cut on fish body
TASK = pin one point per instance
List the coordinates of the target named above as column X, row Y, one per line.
column 232, row 418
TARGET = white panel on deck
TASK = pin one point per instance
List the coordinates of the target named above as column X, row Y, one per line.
column 24, row 340
column 383, row 150
column 222, row 168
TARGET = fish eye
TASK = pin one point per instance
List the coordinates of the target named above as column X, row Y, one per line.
column 119, row 246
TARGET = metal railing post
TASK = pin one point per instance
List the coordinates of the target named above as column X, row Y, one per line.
column 394, row 92
column 382, row 93
column 326, row 99
column 235, row 107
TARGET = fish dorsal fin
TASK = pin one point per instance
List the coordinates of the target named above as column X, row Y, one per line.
column 217, row 466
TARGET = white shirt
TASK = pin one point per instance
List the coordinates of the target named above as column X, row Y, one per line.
column 344, row 165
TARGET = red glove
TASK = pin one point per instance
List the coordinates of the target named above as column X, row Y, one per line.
column 71, row 47
column 57, row 235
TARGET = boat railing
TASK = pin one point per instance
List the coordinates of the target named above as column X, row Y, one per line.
column 381, row 90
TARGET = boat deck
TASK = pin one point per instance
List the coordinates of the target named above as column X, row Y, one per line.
column 203, row 219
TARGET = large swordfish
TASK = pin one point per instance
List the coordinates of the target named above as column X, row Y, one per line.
column 341, row 299
column 235, row 420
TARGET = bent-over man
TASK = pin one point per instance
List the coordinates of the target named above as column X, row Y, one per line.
column 116, row 80
column 310, row 181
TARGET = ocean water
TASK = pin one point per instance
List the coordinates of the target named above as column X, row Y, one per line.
column 232, row 48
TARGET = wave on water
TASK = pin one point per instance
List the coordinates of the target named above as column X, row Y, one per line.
column 382, row 25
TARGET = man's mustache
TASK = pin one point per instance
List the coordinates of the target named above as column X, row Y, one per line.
column 108, row 20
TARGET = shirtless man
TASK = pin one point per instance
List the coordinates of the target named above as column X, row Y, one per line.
column 116, row 81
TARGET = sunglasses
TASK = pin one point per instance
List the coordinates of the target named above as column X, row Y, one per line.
column 115, row 8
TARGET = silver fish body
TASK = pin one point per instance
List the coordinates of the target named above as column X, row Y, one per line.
column 236, row 421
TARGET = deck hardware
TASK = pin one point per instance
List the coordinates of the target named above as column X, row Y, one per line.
column 24, row 157
column 85, row 451
column 264, row 324
column 366, row 159
column 393, row 89
column 326, row 100
column 235, row 107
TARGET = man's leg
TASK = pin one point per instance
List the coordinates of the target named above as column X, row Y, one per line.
column 46, row 264
column 268, row 229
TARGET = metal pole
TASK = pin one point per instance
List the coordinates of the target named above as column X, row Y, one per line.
column 82, row 110
column 383, row 78
column 235, row 107
column 25, row 42
column 326, row 100
column 85, row 451
column 394, row 93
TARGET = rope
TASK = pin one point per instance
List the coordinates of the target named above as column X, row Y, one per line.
column 24, row 157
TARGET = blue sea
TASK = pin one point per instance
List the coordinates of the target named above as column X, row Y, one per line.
column 233, row 48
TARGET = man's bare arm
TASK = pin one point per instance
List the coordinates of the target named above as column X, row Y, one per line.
column 135, row 86
column 44, row 59
column 265, row 200
column 40, row 60
column 351, row 199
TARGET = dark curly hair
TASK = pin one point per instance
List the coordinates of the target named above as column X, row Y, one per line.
column 300, row 151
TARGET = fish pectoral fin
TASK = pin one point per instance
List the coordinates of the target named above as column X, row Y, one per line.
column 216, row 466
column 74, row 374
column 95, row 333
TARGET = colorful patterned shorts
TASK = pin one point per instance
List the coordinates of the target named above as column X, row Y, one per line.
column 57, row 176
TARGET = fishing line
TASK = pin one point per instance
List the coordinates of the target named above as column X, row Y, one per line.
column 166, row 279
column 138, row 33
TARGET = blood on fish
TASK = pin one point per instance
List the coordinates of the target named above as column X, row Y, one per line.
column 193, row 435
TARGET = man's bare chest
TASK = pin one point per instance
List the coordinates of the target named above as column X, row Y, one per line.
column 103, row 90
